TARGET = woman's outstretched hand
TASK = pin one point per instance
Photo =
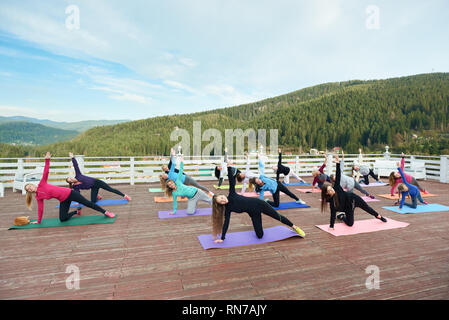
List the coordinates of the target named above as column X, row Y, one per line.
column 70, row 154
column 47, row 155
column 218, row 241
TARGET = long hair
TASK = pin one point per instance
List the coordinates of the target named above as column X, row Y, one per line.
column 20, row 221
column 217, row 216
column 70, row 183
column 252, row 184
column 326, row 198
column 391, row 179
column 29, row 199
column 162, row 181
column 168, row 190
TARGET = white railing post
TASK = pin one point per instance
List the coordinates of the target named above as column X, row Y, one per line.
column 296, row 164
column 132, row 171
column 444, row 168
column 330, row 159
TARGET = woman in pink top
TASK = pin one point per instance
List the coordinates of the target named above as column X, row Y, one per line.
column 45, row 191
column 395, row 178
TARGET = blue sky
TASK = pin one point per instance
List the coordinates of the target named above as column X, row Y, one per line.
column 139, row 59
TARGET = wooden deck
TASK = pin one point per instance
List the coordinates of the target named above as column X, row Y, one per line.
column 143, row 257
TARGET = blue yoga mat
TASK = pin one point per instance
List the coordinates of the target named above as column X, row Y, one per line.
column 421, row 208
column 296, row 184
column 110, row 202
column 290, row 205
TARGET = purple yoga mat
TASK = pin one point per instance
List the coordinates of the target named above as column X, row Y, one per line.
column 183, row 214
column 236, row 239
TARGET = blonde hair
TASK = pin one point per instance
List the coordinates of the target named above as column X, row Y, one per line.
column 20, row 221
column 217, row 217
column 401, row 187
column 163, row 181
column 168, row 190
column 29, row 198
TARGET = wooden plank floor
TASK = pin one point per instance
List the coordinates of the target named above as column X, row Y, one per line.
column 143, row 257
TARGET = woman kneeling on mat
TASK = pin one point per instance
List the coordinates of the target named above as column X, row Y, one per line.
column 222, row 207
column 82, row 182
column 319, row 177
column 45, row 191
column 275, row 187
column 405, row 189
column 177, row 189
column 342, row 201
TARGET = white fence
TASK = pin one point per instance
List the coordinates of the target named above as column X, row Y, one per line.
column 131, row 170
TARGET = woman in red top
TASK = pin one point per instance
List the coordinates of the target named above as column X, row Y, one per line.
column 45, row 191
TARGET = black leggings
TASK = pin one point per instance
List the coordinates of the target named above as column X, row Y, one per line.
column 64, row 206
column 103, row 185
column 366, row 178
column 256, row 218
column 357, row 202
column 276, row 195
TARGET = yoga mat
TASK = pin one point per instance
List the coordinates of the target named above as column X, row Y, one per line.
column 110, row 202
column 316, row 190
column 362, row 226
column 296, row 184
column 373, row 184
column 255, row 194
column 290, row 205
column 368, row 199
column 164, row 199
column 227, row 186
column 244, row 238
column 155, row 190
column 421, row 208
column 74, row 221
column 183, row 214
column 396, row 196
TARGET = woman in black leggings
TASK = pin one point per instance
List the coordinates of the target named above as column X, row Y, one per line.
column 222, row 207
column 64, row 206
column 342, row 201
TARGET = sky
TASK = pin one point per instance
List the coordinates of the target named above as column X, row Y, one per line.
column 111, row 59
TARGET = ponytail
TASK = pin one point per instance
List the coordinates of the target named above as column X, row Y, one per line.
column 217, row 217
column 29, row 200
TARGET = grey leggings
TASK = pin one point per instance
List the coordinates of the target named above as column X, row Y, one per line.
column 359, row 187
column 199, row 196
column 189, row 181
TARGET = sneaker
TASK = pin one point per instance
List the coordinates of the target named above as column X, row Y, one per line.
column 340, row 216
column 396, row 203
column 127, row 197
column 300, row 232
column 109, row 214
column 425, row 202
column 425, row 192
column 78, row 212
column 300, row 201
column 382, row 219
column 371, row 196
column 99, row 197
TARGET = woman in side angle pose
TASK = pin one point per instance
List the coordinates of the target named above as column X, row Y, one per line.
column 349, row 183
column 45, row 191
column 405, row 189
column 221, row 170
column 247, row 174
column 177, row 189
column 286, row 171
column 342, row 201
column 362, row 169
column 319, row 177
column 275, row 187
column 222, row 206
column 171, row 173
column 395, row 178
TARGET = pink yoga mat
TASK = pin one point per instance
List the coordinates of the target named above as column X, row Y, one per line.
column 318, row 190
column 367, row 199
column 363, row 226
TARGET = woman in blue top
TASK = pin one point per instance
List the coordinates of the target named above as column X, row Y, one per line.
column 265, row 183
column 175, row 189
column 405, row 189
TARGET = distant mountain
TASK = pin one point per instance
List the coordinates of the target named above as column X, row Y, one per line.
column 79, row 126
column 33, row 134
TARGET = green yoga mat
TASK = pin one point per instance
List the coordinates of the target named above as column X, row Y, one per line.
column 237, row 186
column 155, row 190
column 74, row 221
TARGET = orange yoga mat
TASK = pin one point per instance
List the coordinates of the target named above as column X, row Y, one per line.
column 396, row 196
column 164, row 199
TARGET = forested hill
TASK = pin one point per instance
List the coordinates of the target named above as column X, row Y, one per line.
column 409, row 114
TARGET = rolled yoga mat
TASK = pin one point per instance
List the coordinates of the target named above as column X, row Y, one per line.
column 109, row 202
column 290, row 205
column 396, row 196
column 421, row 208
column 224, row 187
column 362, row 226
column 164, row 199
column 74, row 221
column 316, row 190
column 183, row 213
column 297, row 184
column 244, row 238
